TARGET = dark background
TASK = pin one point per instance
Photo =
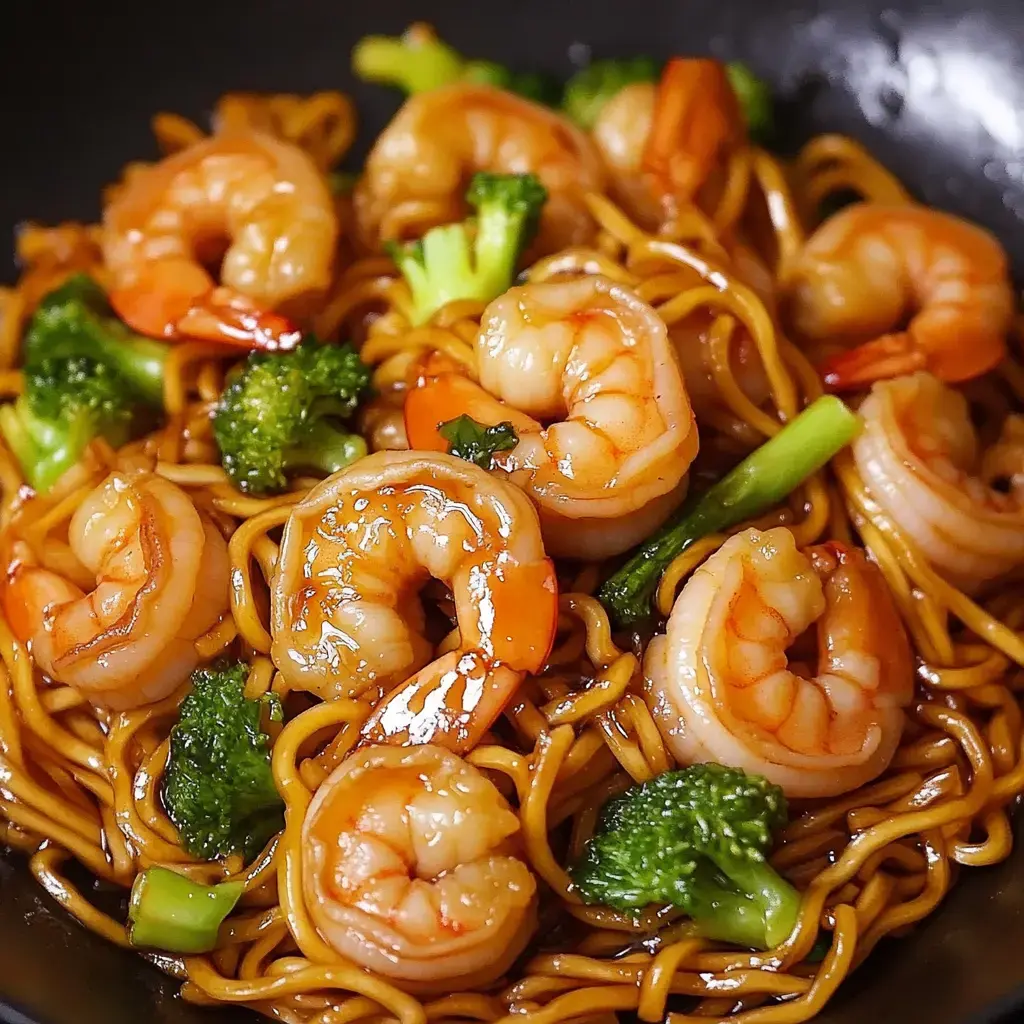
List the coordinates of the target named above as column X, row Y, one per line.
column 936, row 89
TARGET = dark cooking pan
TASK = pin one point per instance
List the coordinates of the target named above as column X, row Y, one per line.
column 935, row 90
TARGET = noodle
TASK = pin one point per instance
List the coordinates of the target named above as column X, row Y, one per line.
column 81, row 783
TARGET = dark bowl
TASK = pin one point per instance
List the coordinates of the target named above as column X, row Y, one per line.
column 936, row 90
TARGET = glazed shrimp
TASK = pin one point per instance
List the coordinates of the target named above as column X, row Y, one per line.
column 593, row 361
column 720, row 685
column 419, row 166
column 356, row 551
column 919, row 457
column 620, row 132
column 409, row 868
column 161, row 572
column 264, row 199
column 869, row 266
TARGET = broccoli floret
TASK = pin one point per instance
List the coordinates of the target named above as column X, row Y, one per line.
column 755, row 97
column 65, row 405
column 218, row 788
column 76, row 321
column 593, row 86
column 282, row 413
column 418, row 61
column 477, row 258
column 696, row 838
column 86, row 376
column 170, row 912
column 467, row 439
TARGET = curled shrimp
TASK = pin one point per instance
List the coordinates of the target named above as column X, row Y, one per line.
column 346, row 618
column 869, row 266
column 722, row 688
column 409, row 869
column 919, row 456
column 161, row 571
column 420, row 163
column 261, row 196
column 592, row 360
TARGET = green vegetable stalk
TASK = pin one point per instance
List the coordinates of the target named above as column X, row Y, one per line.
column 418, row 61
column 755, row 97
column 170, row 912
column 698, row 839
column 763, row 479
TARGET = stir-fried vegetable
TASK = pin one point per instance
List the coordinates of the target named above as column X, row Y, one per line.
column 218, row 787
column 418, row 61
column 696, row 838
column 86, row 376
column 761, row 480
column 286, row 412
column 467, row 439
column 475, row 259
column 170, row 912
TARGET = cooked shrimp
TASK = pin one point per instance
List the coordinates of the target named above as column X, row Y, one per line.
column 620, row 133
column 593, row 361
column 161, row 581
column 696, row 121
column 409, row 869
column 262, row 197
column 869, row 266
column 438, row 139
column 354, row 554
column 721, row 687
column 919, row 457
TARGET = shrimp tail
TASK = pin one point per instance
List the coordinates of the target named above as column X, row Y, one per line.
column 899, row 354
column 892, row 355
column 176, row 299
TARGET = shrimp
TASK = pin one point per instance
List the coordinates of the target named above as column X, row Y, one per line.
column 721, row 688
column 161, row 572
column 355, row 552
column 263, row 197
column 870, row 265
column 441, row 137
column 695, row 122
column 593, row 360
column 620, row 134
column 918, row 455
column 409, row 867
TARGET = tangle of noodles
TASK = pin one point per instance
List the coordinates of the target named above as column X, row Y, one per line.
column 80, row 783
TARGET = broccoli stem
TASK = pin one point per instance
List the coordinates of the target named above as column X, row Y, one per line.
column 775, row 901
column 761, row 480
column 45, row 450
column 170, row 912
column 139, row 360
column 727, row 916
column 325, row 449
column 416, row 62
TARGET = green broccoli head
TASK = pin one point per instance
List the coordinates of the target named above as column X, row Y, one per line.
column 282, row 413
column 476, row 259
column 66, row 404
column 697, row 838
column 76, row 321
column 418, row 61
column 218, row 787
column 591, row 88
